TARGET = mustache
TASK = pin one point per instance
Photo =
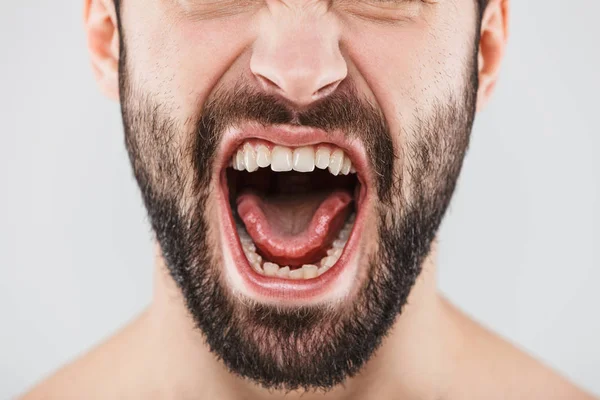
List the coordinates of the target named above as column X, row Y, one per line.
column 342, row 111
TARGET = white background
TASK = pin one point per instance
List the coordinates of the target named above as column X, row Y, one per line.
column 519, row 248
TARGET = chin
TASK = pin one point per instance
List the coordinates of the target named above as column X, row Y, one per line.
column 292, row 234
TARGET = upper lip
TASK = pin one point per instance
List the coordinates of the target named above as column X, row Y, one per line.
column 292, row 136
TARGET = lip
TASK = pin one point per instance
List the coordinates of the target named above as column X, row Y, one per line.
column 274, row 288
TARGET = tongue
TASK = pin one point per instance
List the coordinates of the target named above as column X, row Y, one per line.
column 294, row 230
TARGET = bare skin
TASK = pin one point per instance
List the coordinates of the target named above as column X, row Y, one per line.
column 433, row 351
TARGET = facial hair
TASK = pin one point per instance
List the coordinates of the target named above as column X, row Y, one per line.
column 308, row 347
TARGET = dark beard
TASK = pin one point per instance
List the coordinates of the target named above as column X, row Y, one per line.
column 306, row 347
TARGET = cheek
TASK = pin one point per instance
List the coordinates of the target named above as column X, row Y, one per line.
column 179, row 60
column 409, row 66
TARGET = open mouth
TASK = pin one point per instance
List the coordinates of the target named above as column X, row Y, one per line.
column 293, row 210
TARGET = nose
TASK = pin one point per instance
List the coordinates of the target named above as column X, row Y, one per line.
column 301, row 63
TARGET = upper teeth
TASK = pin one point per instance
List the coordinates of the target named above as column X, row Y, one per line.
column 302, row 159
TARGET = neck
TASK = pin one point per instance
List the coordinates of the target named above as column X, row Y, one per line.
column 408, row 364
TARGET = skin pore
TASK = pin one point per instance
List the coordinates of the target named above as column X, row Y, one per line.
column 401, row 80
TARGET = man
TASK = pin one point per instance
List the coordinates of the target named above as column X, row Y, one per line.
column 296, row 158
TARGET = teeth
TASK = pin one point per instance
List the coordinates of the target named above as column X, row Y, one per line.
column 250, row 158
column 328, row 261
column 245, row 238
column 247, row 246
column 304, row 159
column 263, row 156
column 310, row 271
column 239, row 161
column 326, row 264
column 283, row 159
column 339, row 243
column 345, row 166
column 336, row 161
column 322, row 157
column 284, row 272
column 270, row 268
column 345, row 233
column 257, row 267
column 254, row 258
column 297, row 274
column 335, row 252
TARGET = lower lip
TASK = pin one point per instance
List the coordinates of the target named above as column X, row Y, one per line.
column 278, row 288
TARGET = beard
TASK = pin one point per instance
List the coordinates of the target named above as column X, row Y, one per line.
column 305, row 347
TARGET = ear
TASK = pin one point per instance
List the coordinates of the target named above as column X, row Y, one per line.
column 494, row 35
column 100, row 21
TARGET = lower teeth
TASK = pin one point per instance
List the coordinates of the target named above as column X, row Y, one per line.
column 307, row 271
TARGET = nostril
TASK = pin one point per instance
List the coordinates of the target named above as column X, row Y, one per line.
column 326, row 90
column 267, row 83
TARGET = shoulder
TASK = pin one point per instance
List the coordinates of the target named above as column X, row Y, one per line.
column 492, row 368
column 105, row 372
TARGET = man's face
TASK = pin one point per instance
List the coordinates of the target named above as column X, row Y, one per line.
column 296, row 158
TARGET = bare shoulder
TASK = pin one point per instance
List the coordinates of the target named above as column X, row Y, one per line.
column 104, row 372
column 489, row 367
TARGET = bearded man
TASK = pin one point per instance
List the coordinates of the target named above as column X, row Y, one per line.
column 296, row 159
